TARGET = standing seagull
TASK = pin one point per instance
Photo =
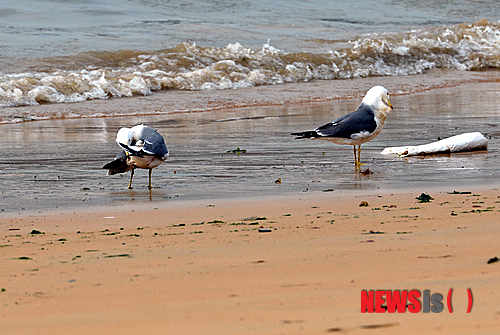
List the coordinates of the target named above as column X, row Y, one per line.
column 357, row 127
column 142, row 147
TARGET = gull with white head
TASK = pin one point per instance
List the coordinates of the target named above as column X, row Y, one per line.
column 357, row 127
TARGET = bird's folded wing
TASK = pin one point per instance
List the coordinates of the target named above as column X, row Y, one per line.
column 154, row 144
column 362, row 120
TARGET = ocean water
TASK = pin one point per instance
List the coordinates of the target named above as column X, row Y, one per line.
column 65, row 51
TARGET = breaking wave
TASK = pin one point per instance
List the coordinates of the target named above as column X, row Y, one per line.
column 101, row 75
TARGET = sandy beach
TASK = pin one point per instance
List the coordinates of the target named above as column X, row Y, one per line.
column 247, row 230
column 276, row 265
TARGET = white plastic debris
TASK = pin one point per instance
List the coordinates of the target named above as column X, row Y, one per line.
column 462, row 142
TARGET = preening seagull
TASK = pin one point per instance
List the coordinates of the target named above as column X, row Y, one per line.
column 143, row 147
column 357, row 127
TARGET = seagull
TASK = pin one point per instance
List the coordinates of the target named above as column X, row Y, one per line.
column 357, row 127
column 143, row 147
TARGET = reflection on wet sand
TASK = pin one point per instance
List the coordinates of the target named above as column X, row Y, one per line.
column 57, row 164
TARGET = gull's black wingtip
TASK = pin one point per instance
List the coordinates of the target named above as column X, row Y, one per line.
column 117, row 165
column 305, row 134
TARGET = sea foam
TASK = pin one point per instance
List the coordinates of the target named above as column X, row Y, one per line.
column 187, row 66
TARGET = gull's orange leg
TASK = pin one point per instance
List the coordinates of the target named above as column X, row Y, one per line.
column 131, row 176
column 358, row 161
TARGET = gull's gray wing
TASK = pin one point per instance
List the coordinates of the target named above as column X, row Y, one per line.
column 153, row 143
column 362, row 120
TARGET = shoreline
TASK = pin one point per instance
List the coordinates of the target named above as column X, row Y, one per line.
column 239, row 200
column 58, row 163
column 252, row 267
column 171, row 102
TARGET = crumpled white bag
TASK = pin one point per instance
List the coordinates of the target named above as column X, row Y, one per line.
column 462, row 142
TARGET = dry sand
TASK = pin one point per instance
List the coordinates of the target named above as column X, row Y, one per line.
column 203, row 267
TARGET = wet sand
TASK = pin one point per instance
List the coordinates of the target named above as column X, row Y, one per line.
column 275, row 265
column 56, row 164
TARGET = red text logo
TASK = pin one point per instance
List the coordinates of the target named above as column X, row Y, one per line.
column 394, row 301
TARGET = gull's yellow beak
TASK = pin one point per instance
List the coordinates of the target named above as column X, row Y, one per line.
column 387, row 103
